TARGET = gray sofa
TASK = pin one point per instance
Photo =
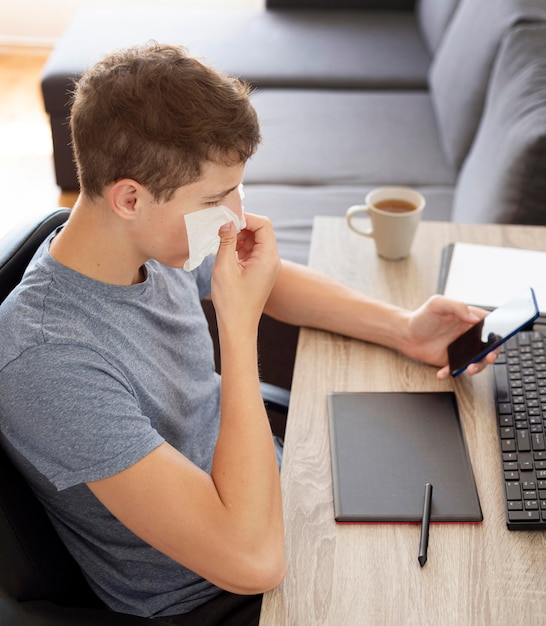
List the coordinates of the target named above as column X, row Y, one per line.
column 448, row 96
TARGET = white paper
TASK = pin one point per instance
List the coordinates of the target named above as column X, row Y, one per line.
column 488, row 276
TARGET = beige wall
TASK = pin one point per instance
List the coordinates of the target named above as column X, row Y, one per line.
column 40, row 22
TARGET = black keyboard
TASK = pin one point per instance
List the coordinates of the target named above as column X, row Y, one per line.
column 520, row 383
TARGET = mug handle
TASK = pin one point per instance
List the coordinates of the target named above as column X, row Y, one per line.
column 355, row 210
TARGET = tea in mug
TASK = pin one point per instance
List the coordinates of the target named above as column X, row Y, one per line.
column 395, row 205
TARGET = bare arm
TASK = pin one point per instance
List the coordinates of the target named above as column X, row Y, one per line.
column 228, row 526
column 304, row 297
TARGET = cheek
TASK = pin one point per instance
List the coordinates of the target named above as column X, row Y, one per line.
column 170, row 241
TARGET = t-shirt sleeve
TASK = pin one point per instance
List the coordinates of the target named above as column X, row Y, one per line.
column 73, row 415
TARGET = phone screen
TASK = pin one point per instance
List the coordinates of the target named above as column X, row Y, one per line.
column 492, row 331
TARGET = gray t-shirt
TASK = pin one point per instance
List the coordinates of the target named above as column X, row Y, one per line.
column 93, row 377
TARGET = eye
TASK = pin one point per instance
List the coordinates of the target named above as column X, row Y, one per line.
column 212, row 204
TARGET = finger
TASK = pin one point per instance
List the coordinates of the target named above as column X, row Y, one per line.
column 460, row 310
column 228, row 240
column 479, row 366
column 227, row 232
column 245, row 242
column 475, row 368
column 253, row 221
column 443, row 374
column 492, row 356
column 479, row 313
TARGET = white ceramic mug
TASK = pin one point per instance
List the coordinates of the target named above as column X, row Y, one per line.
column 394, row 213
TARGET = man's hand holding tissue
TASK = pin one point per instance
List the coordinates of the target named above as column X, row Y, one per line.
column 245, row 470
column 246, row 268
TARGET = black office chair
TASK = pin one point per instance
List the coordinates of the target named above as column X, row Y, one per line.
column 40, row 583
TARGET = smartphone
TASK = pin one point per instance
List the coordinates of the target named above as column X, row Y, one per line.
column 501, row 324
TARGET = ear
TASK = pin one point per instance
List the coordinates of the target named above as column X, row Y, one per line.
column 126, row 197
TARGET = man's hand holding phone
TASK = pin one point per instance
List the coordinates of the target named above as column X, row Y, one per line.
column 492, row 331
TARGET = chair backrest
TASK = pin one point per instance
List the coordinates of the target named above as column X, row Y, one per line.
column 40, row 583
column 20, row 244
column 35, row 565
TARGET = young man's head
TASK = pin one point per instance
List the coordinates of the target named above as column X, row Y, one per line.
column 156, row 115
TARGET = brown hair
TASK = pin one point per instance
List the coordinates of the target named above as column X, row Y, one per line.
column 155, row 114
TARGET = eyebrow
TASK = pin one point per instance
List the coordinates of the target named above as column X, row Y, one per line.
column 221, row 194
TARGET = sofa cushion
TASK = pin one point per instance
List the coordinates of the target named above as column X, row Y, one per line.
column 293, row 208
column 461, row 68
column 504, row 177
column 433, row 17
column 347, row 137
column 267, row 48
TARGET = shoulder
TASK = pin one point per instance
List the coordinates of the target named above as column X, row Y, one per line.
column 71, row 414
column 21, row 314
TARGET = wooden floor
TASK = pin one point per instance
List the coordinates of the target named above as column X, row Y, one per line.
column 27, row 179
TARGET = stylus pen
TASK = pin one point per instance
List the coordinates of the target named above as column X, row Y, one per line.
column 425, row 524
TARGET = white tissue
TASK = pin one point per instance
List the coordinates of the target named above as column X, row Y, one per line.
column 202, row 230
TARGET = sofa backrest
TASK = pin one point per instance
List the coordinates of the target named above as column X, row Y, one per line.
column 503, row 179
column 460, row 71
column 432, row 18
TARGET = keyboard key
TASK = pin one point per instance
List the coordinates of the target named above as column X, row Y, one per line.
column 524, row 444
column 513, row 491
column 538, row 441
column 523, row 516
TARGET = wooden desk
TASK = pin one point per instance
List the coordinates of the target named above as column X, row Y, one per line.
column 369, row 574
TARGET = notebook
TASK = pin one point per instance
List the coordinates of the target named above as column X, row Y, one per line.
column 486, row 276
column 386, row 446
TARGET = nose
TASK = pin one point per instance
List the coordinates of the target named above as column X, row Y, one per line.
column 235, row 202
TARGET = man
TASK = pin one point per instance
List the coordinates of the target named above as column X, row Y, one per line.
column 160, row 476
